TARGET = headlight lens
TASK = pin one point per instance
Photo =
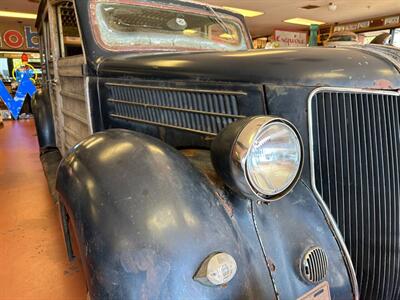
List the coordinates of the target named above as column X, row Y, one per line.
column 260, row 157
column 274, row 159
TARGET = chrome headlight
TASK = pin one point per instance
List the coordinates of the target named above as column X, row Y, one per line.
column 261, row 157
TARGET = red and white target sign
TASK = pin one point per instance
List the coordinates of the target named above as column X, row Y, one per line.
column 13, row 39
column 19, row 37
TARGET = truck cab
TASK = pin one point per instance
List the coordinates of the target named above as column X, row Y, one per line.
column 194, row 167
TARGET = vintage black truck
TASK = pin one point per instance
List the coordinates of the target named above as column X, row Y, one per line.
column 197, row 168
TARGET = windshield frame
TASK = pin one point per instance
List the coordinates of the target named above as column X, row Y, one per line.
column 184, row 7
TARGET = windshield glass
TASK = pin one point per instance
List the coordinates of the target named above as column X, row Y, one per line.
column 150, row 26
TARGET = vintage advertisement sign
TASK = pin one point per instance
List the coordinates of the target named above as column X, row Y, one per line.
column 373, row 24
column 364, row 24
column 291, row 38
column 18, row 37
column 392, row 20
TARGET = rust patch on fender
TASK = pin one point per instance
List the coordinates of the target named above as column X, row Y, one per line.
column 148, row 262
column 383, row 84
column 202, row 161
column 226, row 204
column 271, row 265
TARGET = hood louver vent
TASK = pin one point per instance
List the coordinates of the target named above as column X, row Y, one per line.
column 198, row 111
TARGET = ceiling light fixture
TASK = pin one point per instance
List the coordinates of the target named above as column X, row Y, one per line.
column 190, row 31
column 310, row 6
column 244, row 12
column 226, row 36
column 18, row 15
column 301, row 21
column 332, row 6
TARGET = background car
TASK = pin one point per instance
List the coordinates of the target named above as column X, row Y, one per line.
column 343, row 38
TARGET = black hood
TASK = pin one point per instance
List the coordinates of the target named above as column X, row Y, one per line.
column 295, row 66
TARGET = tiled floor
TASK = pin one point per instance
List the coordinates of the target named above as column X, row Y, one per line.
column 33, row 262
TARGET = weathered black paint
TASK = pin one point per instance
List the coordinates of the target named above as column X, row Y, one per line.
column 285, row 67
column 283, row 78
column 143, row 232
column 287, row 229
column 117, row 183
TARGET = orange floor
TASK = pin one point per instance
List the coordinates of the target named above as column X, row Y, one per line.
column 33, row 263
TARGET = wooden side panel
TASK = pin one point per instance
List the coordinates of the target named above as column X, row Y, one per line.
column 74, row 104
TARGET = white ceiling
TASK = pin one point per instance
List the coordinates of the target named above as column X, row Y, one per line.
column 28, row 6
column 276, row 11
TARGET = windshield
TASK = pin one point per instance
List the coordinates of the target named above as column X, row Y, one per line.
column 121, row 26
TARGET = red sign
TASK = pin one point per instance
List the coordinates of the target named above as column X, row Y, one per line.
column 291, row 38
column 13, row 39
column 19, row 37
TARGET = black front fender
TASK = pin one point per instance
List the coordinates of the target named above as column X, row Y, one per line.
column 145, row 219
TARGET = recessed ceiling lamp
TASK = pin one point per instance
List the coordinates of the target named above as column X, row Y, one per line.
column 301, row 21
column 244, row 12
column 190, row 31
column 310, row 6
column 18, row 15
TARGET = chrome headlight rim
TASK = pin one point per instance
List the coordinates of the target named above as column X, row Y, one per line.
column 242, row 148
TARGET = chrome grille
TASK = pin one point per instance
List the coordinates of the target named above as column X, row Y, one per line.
column 355, row 152
column 199, row 111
